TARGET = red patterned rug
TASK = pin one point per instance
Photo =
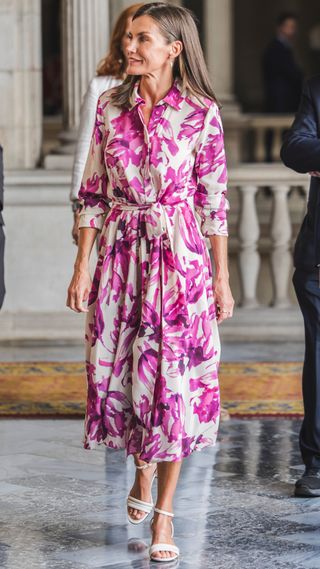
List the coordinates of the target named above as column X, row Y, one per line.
column 58, row 389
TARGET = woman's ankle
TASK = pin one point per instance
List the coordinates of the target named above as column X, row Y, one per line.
column 166, row 506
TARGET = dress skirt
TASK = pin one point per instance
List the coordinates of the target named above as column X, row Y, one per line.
column 152, row 342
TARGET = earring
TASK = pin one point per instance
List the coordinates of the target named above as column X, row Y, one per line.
column 171, row 62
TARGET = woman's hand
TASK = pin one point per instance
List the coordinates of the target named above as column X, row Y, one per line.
column 315, row 174
column 223, row 299
column 75, row 228
column 79, row 289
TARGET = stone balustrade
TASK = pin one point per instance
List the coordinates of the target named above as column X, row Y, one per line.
column 267, row 206
column 259, row 130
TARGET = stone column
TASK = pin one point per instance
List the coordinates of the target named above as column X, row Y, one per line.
column 219, row 42
column 116, row 7
column 85, row 40
column 218, row 26
column 20, row 82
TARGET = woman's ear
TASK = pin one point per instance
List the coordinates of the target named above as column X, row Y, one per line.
column 176, row 48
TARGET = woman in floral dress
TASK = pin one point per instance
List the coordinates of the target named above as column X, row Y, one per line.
column 154, row 187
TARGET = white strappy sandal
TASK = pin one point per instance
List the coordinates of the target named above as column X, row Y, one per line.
column 164, row 546
column 137, row 504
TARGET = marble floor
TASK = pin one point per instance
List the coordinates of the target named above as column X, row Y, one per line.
column 63, row 507
column 231, row 352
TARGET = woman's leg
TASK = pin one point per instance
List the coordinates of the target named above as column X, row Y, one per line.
column 168, row 476
column 141, row 488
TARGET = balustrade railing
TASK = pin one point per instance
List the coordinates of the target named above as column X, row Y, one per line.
column 268, row 202
column 262, row 135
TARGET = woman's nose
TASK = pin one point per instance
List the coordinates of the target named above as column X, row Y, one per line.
column 131, row 47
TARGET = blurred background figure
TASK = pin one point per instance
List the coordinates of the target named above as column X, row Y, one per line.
column 282, row 75
column 110, row 72
column 2, row 238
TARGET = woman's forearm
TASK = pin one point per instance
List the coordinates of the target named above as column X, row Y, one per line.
column 219, row 245
column 87, row 236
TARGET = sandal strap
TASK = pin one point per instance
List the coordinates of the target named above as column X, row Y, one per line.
column 139, row 504
column 144, row 466
column 164, row 547
column 164, row 512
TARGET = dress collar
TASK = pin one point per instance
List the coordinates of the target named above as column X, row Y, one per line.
column 174, row 97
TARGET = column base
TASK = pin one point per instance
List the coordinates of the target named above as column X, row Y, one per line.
column 58, row 162
column 61, row 158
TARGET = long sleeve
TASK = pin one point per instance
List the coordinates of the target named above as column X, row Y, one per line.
column 210, row 171
column 301, row 148
column 93, row 190
column 87, row 119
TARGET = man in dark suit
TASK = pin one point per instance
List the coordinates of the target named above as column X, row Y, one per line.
column 282, row 76
column 2, row 237
column 301, row 152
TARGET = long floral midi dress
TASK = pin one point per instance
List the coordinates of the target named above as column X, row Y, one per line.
column 152, row 345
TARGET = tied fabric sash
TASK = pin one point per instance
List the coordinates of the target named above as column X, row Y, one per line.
column 157, row 222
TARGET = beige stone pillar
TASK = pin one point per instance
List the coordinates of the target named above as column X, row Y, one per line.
column 218, row 45
column 85, row 40
column 20, row 82
column 218, row 25
column 116, row 6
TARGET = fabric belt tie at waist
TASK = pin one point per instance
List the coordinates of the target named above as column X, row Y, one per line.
column 156, row 218
column 156, row 224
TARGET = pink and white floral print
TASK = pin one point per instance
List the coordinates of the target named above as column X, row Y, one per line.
column 152, row 345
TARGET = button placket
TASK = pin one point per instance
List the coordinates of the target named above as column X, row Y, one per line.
column 158, row 112
column 146, row 170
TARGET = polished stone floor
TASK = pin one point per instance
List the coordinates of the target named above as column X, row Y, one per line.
column 62, row 507
column 231, row 352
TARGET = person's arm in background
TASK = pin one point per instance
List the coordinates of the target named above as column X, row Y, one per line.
column 87, row 121
column 87, row 118
column 211, row 204
column 86, row 125
column 94, row 204
column 301, row 147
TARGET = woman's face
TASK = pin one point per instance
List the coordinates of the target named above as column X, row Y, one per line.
column 147, row 51
column 126, row 38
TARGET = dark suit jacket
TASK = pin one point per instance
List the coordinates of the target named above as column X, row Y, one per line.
column 282, row 78
column 301, row 152
column 2, row 237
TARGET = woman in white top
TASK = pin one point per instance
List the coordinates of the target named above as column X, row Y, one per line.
column 110, row 72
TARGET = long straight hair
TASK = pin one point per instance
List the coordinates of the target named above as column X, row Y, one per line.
column 175, row 23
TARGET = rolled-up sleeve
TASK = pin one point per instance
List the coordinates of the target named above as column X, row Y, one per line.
column 210, row 172
column 93, row 191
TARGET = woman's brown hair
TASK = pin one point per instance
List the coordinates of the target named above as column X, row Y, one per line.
column 114, row 63
column 175, row 23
